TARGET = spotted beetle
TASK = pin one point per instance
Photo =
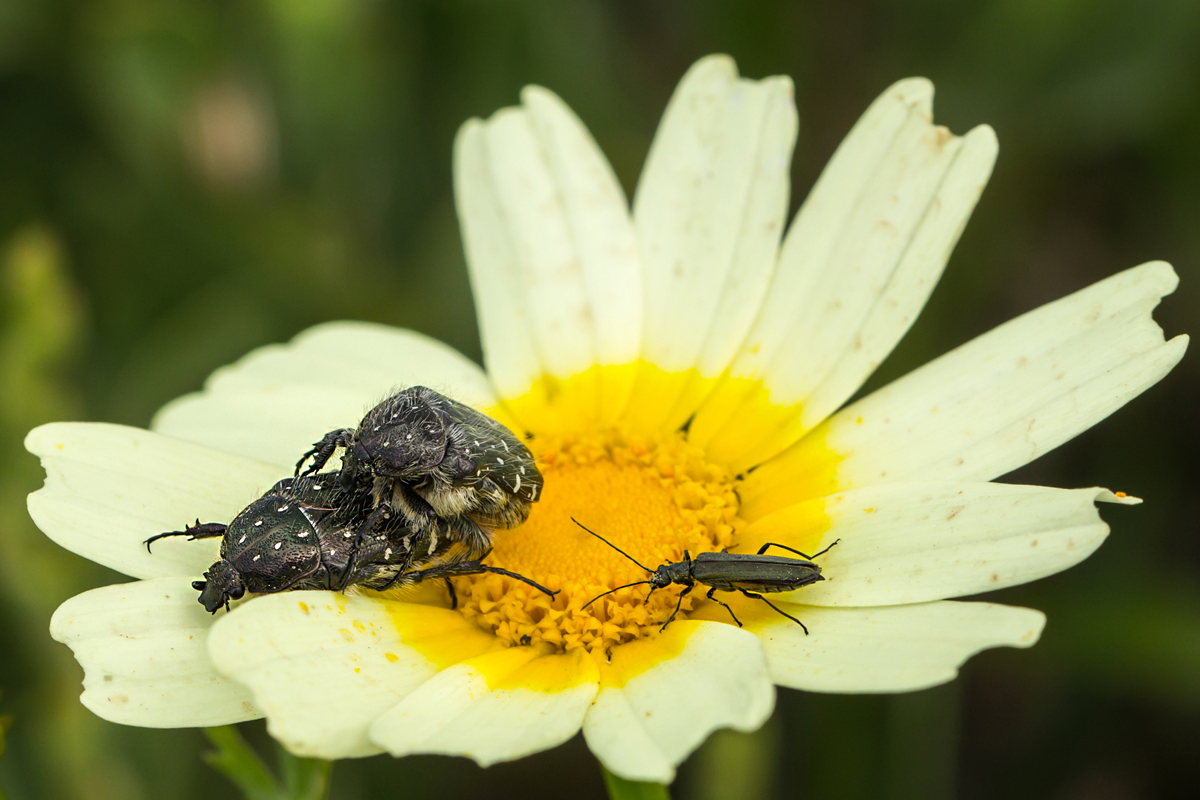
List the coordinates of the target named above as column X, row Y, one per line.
column 436, row 459
column 750, row 574
column 302, row 534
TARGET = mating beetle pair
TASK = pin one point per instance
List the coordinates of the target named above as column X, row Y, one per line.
column 751, row 574
column 302, row 534
column 452, row 474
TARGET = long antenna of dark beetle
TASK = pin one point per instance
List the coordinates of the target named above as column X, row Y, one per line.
column 610, row 591
column 614, row 547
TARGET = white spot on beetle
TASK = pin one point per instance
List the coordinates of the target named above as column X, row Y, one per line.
column 257, row 522
column 242, row 540
column 256, row 558
column 278, row 545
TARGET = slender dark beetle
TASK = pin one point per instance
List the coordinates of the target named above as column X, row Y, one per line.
column 730, row 572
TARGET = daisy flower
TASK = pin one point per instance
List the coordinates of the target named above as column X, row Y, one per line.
column 678, row 370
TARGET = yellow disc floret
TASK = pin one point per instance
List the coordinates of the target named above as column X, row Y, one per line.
column 653, row 498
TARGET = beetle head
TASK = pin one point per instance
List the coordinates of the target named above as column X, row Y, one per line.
column 662, row 577
column 222, row 583
column 406, row 450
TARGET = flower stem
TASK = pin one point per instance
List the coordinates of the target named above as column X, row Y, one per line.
column 303, row 778
column 621, row 789
column 5, row 724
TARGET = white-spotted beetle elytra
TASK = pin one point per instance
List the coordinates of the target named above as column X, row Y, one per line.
column 750, row 574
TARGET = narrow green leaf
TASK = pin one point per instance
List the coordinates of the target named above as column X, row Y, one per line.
column 236, row 760
column 305, row 778
column 621, row 789
column 5, row 723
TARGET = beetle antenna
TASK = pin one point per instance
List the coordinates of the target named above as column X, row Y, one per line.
column 610, row 591
column 614, row 547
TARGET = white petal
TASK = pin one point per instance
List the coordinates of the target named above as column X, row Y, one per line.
column 661, row 697
column 858, row 264
column 110, row 487
column 913, row 542
column 141, row 646
column 995, row 403
column 497, row 707
column 550, row 246
column 323, row 666
column 709, row 213
column 273, row 403
column 273, row 423
column 887, row 649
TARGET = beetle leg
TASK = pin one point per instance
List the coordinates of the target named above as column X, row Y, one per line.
column 678, row 603
column 450, row 589
column 323, row 450
column 722, row 602
column 472, row 568
column 820, row 553
column 419, row 540
column 201, row 530
column 763, row 549
column 777, row 608
column 521, row 578
column 363, row 532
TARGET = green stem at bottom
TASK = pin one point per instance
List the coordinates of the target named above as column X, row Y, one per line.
column 622, row 789
column 303, row 778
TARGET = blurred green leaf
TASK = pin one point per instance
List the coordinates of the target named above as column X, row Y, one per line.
column 304, row 778
column 236, row 759
column 6, row 722
column 621, row 789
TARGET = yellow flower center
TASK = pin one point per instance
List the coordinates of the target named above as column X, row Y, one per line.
column 653, row 498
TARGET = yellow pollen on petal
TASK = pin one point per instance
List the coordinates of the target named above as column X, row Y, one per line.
column 653, row 497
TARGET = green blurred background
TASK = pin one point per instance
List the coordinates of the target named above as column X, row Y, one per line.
column 182, row 181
